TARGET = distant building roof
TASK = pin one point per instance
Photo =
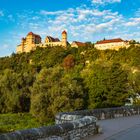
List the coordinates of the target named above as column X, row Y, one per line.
column 79, row 44
column 31, row 33
column 110, row 41
column 51, row 39
column 64, row 32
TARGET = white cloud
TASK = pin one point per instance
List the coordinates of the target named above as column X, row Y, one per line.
column 102, row 2
column 133, row 22
column 82, row 23
column 43, row 12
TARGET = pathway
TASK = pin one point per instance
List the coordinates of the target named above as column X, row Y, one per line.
column 125, row 128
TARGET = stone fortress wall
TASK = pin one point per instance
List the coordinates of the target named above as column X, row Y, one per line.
column 72, row 125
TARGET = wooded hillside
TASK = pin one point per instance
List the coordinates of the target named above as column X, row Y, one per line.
column 51, row 80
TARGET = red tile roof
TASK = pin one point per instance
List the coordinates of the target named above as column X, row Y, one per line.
column 80, row 44
column 37, row 35
column 64, row 32
column 110, row 41
column 31, row 33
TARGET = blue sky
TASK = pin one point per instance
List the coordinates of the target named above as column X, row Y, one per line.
column 85, row 20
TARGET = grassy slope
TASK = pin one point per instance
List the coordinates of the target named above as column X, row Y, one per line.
column 12, row 122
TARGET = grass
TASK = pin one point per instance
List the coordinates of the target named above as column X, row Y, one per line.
column 20, row 121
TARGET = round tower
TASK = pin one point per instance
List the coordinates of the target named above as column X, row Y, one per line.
column 30, row 38
column 64, row 39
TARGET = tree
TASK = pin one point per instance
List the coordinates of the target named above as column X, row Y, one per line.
column 107, row 86
column 134, row 82
column 14, row 91
column 10, row 94
column 53, row 93
column 69, row 62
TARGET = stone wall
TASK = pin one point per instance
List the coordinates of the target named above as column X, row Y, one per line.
column 100, row 114
column 74, row 130
column 72, row 125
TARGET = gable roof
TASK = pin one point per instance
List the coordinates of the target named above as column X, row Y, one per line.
column 31, row 33
column 51, row 39
column 110, row 41
column 79, row 44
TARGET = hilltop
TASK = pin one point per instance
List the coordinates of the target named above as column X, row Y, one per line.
column 51, row 80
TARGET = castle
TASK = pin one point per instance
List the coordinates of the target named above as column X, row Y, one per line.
column 32, row 41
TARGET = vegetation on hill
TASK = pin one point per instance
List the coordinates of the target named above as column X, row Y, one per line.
column 18, row 121
column 51, row 80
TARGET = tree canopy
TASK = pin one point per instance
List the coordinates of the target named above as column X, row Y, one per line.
column 51, row 80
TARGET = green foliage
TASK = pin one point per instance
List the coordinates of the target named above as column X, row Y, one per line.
column 107, row 85
column 12, row 122
column 14, row 91
column 53, row 79
column 69, row 62
column 54, row 92
column 134, row 80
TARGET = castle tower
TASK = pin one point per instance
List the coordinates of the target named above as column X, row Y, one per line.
column 30, row 38
column 64, row 39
